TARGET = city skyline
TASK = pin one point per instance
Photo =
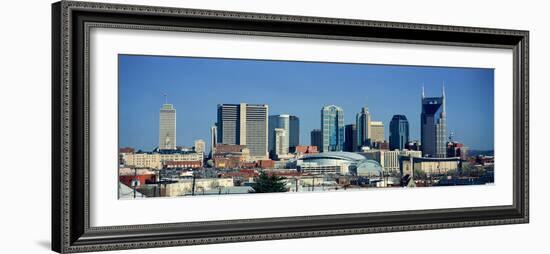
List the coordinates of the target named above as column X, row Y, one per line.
column 238, row 81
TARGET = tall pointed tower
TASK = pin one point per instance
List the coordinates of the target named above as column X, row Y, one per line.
column 433, row 121
column 363, row 126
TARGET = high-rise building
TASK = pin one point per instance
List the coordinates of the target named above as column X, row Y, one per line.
column 332, row 128
column 294, row 134
column 350, row 142
column 167, row 127
column 363, row 125
column 228, row 124
column 399, row 132
column 278, row 122
column 280, row 142
column 377, row 132
column 199, row 146
column 433, row 125
column 244, row 124
column 213, row 139
column 317, row 138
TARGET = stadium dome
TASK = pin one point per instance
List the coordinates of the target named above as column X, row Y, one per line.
column 346, row 162
column 352, row 157
column 369, row 168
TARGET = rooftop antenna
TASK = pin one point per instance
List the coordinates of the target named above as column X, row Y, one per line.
column 365, row 107
column 165, row 99
column 422, row 90
column 443, row 93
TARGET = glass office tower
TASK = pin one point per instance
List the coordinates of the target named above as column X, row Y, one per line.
column 350, row 144
column 399, row 132
column 433, row 122
column 363, row 125
column 332, row 128
column 281, row 122
column 294, row 135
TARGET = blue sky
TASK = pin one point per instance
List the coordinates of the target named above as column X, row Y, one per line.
column 197, row 85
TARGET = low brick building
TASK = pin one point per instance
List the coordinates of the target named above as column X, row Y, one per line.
column 182, row 164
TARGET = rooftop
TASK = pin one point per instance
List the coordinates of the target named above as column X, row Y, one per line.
column 336, row 155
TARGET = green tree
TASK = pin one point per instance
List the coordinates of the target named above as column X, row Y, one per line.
column 266, row 184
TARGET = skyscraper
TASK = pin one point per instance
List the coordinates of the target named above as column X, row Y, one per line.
column 294, row 134
column 350, row 142
column 399, row 132
column 228, row 124
column 317, row 138
column 377, row 132
column 363, row 125
column 280, row 142
column 167, row 127
column 213, row 139
column 433, row 126
column 278, row 122
column 332, row 128
column 244, row 124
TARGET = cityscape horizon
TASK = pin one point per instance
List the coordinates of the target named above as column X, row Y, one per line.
column 234, row 126
column 307, row 142
column 187, row 132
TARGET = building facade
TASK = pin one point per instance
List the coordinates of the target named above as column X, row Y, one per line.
column 280, row 142
column 279, row 130
column 244, row 124
column 363, row 125
column 230, row 156
column 213, row 139
column 390, row 159
column 317, row 138
column 167, row 127
column 414, row 145
column 431, row 166
column 456, row 149
column 185, row 186
column 182, row 164
column 378, row 134
column 294, row 134
column 399, row 132
column 199, row 146
column 228, row 124
column 332, row 128
column 156, row 160
column 302, row 150
column 433, row 124
column 350, row 142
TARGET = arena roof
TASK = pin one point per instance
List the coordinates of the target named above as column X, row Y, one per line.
column 336, row 155
column 357, row 163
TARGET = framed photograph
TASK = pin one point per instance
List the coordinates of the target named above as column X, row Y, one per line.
column 182, row 126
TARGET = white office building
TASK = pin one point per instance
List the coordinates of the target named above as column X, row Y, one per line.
column 279, row 139
column 167, row 127
column 199, row 146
